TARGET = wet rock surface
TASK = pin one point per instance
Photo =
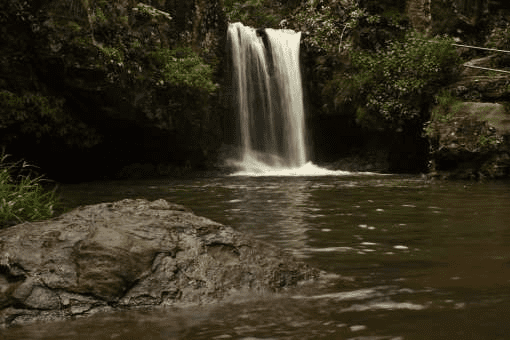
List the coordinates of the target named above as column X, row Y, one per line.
column 131, row 253
column 473, row 142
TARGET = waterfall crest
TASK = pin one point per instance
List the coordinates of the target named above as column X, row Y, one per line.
column 266, row 79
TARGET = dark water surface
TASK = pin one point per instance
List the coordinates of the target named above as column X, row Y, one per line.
column 414, row 259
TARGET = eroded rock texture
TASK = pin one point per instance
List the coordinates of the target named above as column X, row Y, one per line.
column 131, row 253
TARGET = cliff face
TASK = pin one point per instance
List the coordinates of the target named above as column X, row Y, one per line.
column 111, row 82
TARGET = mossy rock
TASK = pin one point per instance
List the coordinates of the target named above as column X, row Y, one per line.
column 472, row 140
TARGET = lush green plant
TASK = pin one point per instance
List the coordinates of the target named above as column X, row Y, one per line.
column 446, row 106
column 136, row 44
column 489, row 141
column 100, row 16
column 321, row 27
column 183, row 67
column 328, row 23
column 112, row 53
column 36, row 117
column 392, row 87
column 258, row 13
column 22, row 197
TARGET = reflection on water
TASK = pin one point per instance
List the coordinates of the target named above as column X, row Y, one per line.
column 412, row 259
column 282, row 208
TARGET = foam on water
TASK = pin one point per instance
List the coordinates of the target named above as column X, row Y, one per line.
column 309, row 169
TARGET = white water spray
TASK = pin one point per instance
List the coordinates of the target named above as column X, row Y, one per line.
column 269, row 97
column 266, row 81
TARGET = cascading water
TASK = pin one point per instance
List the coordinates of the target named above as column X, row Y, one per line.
column 266, row 82
column 269, row 97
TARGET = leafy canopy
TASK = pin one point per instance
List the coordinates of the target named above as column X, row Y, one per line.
column 183, row 67
column 40, row 117
column 395, row 84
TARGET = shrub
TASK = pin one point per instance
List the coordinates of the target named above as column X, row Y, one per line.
column 323, row 31
column 445, row 109
column 333, row 26
column 183, row 67
column 394, row 86
column 22, row 197
column 257, row 13
column 36, row 117
column 112, row 54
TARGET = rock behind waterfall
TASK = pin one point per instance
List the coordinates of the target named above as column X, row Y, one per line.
column 131, row 253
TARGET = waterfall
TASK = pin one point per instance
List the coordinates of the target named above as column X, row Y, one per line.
column 266, row 80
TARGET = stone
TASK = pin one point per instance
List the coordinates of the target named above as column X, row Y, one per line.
column 472, row 143
column 132, row 253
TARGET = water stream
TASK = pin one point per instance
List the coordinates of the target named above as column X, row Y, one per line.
column 268, row 96
column 409, row 259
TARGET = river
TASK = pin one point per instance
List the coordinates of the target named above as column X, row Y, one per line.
column 408, row 258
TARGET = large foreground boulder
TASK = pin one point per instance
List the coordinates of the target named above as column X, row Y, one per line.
column 131, row 253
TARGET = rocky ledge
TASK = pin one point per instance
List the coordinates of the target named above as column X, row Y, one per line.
column 472, row 141
column 131, row 253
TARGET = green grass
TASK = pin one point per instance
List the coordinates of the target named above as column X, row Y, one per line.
column 22, row 196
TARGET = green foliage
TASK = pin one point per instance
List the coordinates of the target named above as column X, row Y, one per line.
column 324, row 33
column 74, row 26
column 489, row 141
column 37, row 117
column 82, row 41
column 22, row 197
column 257, row 13
column 327, row 23
column 395, row 84
column 394, row 18
column 112, row 54
column 136, row 44
column 445, row 109
column 100, row 16
column 151, row 11
column 183, row 67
